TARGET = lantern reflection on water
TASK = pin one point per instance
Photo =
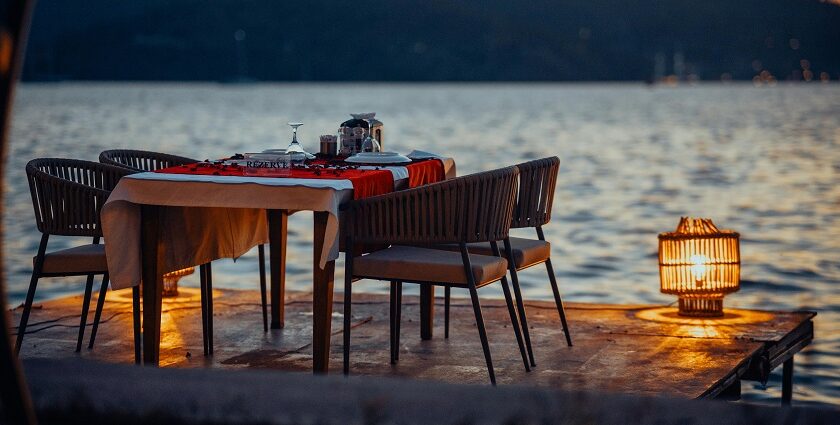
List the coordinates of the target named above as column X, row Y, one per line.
column 700, row 264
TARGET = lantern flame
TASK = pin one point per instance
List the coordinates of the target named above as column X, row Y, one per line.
column 699, row 267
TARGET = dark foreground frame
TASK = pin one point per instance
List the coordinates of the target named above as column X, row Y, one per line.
column 72, row 390
column 15, row 17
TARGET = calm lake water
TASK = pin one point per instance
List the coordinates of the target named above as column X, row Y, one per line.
column 762, row 161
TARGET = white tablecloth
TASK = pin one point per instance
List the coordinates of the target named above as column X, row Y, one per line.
column 233, row 207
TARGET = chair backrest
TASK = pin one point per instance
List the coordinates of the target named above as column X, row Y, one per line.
column 140, row 161
column 473, row 208
column 537, row 181
column 68, row 194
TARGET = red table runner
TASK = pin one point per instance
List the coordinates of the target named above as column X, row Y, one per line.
column 424, row 172
column 366, row 183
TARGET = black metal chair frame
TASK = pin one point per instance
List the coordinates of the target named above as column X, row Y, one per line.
column 139, row 161
column 76, row 184
column 483, row 202
column 535, row 197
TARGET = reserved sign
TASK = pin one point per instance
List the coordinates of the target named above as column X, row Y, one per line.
column 277, row 166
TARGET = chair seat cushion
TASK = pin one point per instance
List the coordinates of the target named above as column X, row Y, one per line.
column 80, row 259
column 407, row 263
column 526, row 252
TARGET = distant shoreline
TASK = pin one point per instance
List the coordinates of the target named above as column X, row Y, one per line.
column 428, row 83
column 394, row 82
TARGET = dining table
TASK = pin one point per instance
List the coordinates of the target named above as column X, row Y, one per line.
column 158, row 222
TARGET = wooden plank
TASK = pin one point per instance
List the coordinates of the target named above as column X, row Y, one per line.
column 733, row 377
column 775, row 353
column 792, row 343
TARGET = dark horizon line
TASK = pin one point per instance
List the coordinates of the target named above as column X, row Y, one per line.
column 255, row 81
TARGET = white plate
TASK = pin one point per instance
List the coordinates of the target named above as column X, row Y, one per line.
column 378, row 158
column 283, row 152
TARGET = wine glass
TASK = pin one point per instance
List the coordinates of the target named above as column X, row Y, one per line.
column 370, row 144
column 295, row 149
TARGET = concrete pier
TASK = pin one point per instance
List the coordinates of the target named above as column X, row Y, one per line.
column 639, row 349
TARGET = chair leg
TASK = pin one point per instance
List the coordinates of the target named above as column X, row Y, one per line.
column 30, row 295
column 482, row 333
column 348, row 295
column 479, row 320
column 135, row 301
column 514, row 278
column 392, row 317
column 558, row 301
column 103, row 290
column 398, row 321
column 202, row 270
column 85, row 307
column 446, row 301
column 210, row 309
column 261, row 250
column 27, row 308
column 515, row 323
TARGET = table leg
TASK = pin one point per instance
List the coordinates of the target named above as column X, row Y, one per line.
column 322, row 299
column 787, row 382
column 427, row 310
column 277, row 226
column 152, row 283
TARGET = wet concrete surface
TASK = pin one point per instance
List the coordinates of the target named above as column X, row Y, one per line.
column 617, row 348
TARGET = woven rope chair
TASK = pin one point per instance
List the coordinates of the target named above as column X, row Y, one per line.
column 535, row 197
column 143, row 161
column 67, row 196
column 474, row 208
column 140, row 161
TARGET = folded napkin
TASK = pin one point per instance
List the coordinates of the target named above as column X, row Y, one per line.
column 415, row 154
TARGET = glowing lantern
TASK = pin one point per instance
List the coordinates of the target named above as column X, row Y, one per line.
column 700, row 264
column 170, row 281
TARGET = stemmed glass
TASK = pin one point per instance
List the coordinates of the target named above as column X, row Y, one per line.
column 370, row 144
column 295, row 149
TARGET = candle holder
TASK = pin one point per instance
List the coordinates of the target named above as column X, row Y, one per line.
column 700, row 264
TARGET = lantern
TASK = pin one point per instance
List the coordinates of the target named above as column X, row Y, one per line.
column 170, row 281
column 700, row 264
